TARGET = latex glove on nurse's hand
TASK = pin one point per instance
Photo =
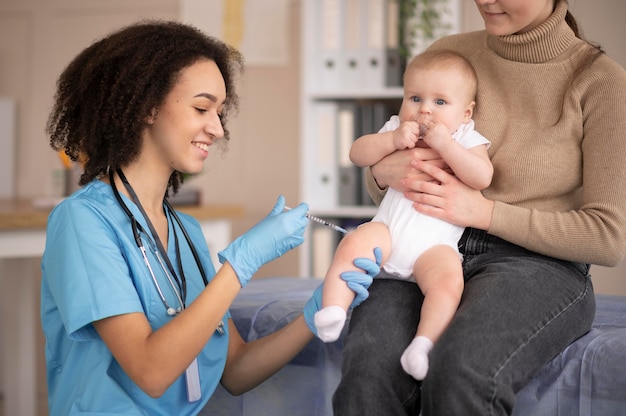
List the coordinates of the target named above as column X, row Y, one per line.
column 357, row 281
column 272, row 237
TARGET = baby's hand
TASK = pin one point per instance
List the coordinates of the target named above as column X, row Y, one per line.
column 406, row 135
column 434, row 134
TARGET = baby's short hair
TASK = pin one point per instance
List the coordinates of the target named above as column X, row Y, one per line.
column 440, row 59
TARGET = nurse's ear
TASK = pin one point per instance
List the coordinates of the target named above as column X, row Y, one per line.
column 152, row 117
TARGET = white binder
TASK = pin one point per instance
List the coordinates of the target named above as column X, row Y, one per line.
column 329, row 44
column 394, row 62
column 373, row 43
column 348, row 174
column 322, row 182
column 351, row 59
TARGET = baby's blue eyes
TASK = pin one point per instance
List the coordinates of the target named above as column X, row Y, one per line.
column 438, row 101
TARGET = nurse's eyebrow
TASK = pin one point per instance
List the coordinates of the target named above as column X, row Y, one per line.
column 208, row 96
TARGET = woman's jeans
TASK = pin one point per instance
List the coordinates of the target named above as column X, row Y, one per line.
column 519, row 310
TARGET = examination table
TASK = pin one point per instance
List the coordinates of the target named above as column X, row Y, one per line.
column 588, row 378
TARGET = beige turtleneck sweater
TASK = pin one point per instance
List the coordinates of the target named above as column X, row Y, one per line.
column 559, row 156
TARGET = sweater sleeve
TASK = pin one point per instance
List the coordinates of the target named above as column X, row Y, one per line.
column 374, row 191
column 595, row 231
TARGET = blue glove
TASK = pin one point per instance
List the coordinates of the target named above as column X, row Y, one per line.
column 272, row 237
column 358, row 281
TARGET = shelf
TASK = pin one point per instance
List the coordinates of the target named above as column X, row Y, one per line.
column 350, row 58
column 382, row 94
column 339, row 104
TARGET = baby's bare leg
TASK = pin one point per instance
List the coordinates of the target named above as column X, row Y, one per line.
column 439, row 274
column 336, row 295
column 359, row 243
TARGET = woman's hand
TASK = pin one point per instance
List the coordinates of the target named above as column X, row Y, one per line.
column 396, row 167
column 447, row 198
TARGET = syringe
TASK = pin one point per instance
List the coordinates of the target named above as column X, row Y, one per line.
column 323, row 222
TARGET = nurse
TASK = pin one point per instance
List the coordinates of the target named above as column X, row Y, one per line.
column 134, row 314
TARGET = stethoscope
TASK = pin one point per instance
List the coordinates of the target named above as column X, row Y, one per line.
column 177, row 284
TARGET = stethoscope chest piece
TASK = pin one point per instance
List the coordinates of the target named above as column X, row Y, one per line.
column 173, row 312
column 220, row 328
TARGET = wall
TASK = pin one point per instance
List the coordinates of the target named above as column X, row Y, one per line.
column 38, row 39
column 262, row 160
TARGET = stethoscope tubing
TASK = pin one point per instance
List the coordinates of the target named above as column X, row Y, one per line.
column 138, row 229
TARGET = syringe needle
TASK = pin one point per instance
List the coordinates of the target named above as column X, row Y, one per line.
column 323, row 222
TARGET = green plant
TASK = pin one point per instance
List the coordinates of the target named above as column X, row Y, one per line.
column 420, row 22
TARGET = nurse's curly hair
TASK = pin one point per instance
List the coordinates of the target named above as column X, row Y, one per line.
column 107, row 94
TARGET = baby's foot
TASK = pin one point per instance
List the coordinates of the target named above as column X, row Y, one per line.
column 329, row 322
column 414, row 359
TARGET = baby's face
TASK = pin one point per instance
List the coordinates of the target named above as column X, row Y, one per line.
column 441, row 95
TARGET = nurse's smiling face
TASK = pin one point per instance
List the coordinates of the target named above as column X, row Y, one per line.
column 507, row 17
column 189, row 120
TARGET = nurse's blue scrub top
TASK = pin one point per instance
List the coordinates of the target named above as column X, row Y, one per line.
column 93, row 269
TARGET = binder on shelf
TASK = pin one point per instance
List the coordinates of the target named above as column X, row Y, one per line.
column 365, row 200
column 366, row 119
column 349, row 180
column 329, row 43
column 322, row 181
column 394, row 62
column 372, row 117
column 351, row 63
column 366, row 126
column 381, row 112
column 373, row 43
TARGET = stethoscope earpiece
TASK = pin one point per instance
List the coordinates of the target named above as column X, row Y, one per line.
column 171, row 311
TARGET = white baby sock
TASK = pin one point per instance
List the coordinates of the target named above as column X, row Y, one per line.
column 414, row 359
column 329, row 322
